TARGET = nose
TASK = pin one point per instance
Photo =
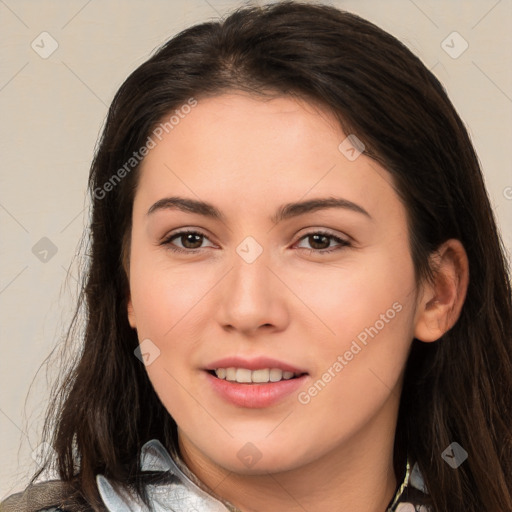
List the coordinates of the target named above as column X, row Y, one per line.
column 253, row 298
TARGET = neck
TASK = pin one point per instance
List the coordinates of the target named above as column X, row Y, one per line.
column 356, row 475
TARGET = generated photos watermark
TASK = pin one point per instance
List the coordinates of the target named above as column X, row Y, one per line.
column 147, row 352
column 352, row 147
column 454, row 455
column 358, row 343
column 137, row 156
column 249, row 454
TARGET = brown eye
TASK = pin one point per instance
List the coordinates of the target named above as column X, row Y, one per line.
column 185, row 241
column 320, row 243
column 191, row 240
column 319, row 240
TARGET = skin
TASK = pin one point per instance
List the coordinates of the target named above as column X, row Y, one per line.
column 247, row 157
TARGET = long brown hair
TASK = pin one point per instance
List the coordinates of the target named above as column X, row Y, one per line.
column 456, row 389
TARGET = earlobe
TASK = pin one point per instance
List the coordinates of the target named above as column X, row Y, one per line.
column 131, row 314
column 441, row 301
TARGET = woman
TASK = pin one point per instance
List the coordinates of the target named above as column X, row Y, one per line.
column 297, row 297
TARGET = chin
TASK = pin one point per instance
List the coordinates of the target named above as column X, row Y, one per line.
column 273, row 466
column 255, row 459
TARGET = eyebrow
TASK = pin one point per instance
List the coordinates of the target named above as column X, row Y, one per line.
column 284, row 212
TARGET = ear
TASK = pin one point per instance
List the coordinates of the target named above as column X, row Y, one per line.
column 131, row 314
column 440, row 302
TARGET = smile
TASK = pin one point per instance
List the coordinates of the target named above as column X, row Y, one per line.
column 261, row 376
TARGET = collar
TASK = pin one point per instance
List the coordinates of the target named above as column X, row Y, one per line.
column 181, row 494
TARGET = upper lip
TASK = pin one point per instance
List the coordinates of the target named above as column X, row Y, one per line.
column 257, row 363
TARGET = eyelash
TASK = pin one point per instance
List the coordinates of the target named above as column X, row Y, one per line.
column 342, row 243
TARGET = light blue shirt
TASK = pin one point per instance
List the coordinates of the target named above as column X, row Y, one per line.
column 183, row 495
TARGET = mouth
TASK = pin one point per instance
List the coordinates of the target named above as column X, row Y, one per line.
column 256, row 383
column 259, row 376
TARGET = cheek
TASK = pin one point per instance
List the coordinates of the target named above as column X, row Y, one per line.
column 170, row 307
column 166, row 304
column 370, row 291
column 369, row 309
column 166, row 298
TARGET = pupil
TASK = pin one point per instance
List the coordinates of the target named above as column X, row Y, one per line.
column 189, row 239
column 316, row 237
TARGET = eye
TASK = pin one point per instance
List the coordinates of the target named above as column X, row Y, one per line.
column 320, row 242
column 191, row 241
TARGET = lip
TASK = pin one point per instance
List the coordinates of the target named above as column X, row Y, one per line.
column 257, row 363
column 254, row 396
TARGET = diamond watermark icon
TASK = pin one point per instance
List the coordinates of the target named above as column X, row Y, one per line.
column 249, row 454
column 249, row 250
column 44, row 45
column 147, row 352
column 44, row 250
column 454, row 455
column 454, row 45
column 352, row 147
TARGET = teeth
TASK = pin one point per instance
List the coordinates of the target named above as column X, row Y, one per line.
column 276, row 374
column 260, row 375
column 244, row 376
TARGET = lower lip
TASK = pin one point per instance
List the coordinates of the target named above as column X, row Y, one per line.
column 255, row 396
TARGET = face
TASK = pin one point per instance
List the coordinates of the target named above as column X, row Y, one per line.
column 266, row 281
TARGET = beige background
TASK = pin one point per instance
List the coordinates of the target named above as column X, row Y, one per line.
column 52, row 110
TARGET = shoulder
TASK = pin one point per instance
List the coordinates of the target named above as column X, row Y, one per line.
column 41, row 497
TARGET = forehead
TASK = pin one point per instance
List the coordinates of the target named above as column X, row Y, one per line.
column 245, row 150
column 252, row 129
